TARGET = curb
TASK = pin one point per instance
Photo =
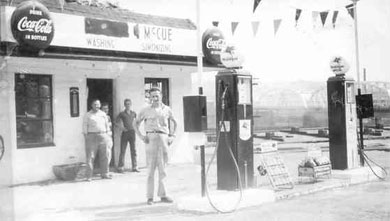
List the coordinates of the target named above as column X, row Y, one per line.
column 311, row 191
column 342, row 179
column 225, row 201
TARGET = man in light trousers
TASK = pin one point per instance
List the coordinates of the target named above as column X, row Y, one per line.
column 96, row 131
column 158, row 137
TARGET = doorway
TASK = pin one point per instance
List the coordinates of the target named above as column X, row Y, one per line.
column 101, row 89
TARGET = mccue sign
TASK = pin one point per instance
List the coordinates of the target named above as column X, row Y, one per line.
column 32, row 26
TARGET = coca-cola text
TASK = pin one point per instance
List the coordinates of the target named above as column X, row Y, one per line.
column 43, row 25
column 215, row 44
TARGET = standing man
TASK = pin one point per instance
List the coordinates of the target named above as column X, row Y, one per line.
column 106, row 109
column 127, row 137
column 158, row 137
column 97, row 139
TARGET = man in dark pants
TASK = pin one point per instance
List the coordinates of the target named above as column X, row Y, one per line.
column 127, row 117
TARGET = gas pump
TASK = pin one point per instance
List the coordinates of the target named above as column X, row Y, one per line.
column 343, row 146
column 234, row 118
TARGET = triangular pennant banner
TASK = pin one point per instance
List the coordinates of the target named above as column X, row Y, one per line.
column 277, row 25
column 255, row 27
column 255, row 4
column 234, row 26
column 351, row 10
column 215, row 23
column 297, row 15
column 314, row 15
column 323, row 15
column 334, row 18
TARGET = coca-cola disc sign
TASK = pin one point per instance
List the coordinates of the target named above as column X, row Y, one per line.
column 32, row 25
column 213, row 42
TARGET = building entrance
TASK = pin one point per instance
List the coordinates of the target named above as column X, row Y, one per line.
column 101, row 89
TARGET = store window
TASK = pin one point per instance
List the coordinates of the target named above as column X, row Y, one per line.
column 34, row 118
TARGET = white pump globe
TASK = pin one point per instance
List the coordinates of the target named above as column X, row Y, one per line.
column 339, row 65
column 231, row 57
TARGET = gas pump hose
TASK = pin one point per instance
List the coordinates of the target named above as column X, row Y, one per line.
column 368, row 160
column 223, row 126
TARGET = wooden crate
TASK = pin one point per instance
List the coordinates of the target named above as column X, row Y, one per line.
column 315, row 172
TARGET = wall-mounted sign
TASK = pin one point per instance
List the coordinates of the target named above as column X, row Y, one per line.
column 76, row 31
column 213, row 42
column 74, row 101
column 106, row 27
column 155, row 38
column 339, row 65
column 32, row 25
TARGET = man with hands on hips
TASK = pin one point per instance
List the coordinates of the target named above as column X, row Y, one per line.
column 158, row 136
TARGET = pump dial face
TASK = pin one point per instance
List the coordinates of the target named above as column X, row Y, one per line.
column 244, row 90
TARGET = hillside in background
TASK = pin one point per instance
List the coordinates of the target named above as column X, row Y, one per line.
column 309, row 95
column 298, row 104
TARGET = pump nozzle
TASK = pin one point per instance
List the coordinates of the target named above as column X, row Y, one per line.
column 223, row 97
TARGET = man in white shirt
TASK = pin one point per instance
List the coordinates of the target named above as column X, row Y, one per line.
column 96, row 131
column 156, row 118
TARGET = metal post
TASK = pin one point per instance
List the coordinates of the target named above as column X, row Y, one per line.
column 356, row 41
column 364, row 74
column 203, row 171
column 199, row 54
column 358, row 79
column 245, row 175
column 361, row 143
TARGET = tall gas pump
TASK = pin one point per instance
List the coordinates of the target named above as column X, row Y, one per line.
column 343, row 146
column 234, row 118
column 234, row 113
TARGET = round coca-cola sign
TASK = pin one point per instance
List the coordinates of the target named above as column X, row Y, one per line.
column 213, row 42
column 32, row 25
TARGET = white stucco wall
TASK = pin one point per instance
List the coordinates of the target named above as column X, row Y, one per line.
column 5, row 124
column 35, row 164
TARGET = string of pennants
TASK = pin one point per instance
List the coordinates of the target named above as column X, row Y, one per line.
column 323, row 15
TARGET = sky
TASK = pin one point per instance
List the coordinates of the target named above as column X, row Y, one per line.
column 294, row 53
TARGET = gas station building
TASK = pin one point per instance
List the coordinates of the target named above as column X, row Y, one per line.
column 81, row 53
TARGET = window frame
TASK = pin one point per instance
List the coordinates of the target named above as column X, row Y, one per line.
column 150, row 82
column 26, row 97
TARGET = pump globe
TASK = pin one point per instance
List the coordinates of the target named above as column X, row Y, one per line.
column 339, row 65
column 231, row 57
